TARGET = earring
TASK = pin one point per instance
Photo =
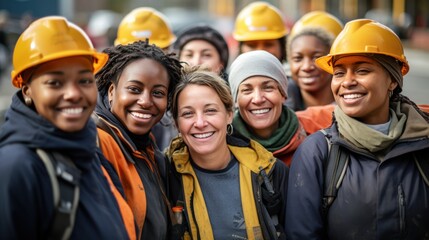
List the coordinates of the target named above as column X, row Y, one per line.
column 229, row 129
column 28, row 101
column 390, row 94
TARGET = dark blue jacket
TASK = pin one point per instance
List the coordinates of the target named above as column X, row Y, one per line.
column 376, row 200
column 26, row 201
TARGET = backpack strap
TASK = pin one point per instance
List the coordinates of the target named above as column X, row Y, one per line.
column 423, row 166
column 272, row 202
column 335, row 168
column 64, row 177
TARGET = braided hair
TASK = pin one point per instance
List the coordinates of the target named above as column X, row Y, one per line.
column 122, row 55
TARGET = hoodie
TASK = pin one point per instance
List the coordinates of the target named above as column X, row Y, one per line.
column 26, row 201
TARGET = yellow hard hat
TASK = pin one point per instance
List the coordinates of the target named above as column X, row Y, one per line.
column 318, row 19
column 51, row 38
column 259, row 21
column 145, row 23
column 363, row 36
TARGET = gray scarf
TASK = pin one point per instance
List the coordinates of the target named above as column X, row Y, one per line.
column 406, row 123
column 365, row 137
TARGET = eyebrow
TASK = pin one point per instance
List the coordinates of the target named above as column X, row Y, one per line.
column 205, row 106
column 353, row 64
column 203, row 50
column 264, row 82
column 84, row 71
column 141, row 83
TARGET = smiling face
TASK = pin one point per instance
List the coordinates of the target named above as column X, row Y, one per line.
column 361, row 89
column 302, row 53
column 140, row 98
column 272, row 46
column 201, row 53
column 260, row 104
column 64, row 92
column 202, row 120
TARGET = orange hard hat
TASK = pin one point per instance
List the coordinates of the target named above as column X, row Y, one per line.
column 320, row 19
column 363, row 36
column 259, row 21
column 145, row 23
column 51, row 38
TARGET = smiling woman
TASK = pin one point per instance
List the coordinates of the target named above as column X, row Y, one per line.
column 215, row 173
column 134, row 88
column 53, row 65
column 67, row 104
column 259, row 86
column 311, row 37
column 384, row 136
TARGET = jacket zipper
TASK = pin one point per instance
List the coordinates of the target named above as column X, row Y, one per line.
column 401, row 202
column 191, row 203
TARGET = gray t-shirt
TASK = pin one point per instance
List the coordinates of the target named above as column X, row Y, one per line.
column 221, row 191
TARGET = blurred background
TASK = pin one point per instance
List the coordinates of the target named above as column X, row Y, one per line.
column 409, row 19
column 100, row 19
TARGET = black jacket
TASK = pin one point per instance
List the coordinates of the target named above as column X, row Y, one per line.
column 26, row 200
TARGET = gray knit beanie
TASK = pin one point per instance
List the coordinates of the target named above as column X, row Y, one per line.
column 256, row 63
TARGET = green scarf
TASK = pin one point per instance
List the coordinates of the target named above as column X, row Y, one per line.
column 374, row 141
column 288, row 125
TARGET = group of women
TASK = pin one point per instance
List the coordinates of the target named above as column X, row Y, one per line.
column 227, row 169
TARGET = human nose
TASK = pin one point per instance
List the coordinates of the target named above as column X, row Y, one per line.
column 308, row 64
column 196, row 60
column 260, row 46
column 145, row 100
column 349, row 80
column 73, row 92
column 258, row 96
column 200, row 121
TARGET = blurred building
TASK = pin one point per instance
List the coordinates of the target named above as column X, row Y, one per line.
column 406, row 17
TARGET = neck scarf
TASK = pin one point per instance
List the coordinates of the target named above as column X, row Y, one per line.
column 367, row 138
column 288, row 125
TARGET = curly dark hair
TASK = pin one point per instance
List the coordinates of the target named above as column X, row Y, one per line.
column 122, row 55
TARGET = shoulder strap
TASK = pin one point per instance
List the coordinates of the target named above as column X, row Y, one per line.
column 335, row 168
column 272, row 202
column 64, row 177
column 423, row 166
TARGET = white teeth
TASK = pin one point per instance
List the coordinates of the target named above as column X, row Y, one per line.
column 203, row 135
column 141, row 115
column 307, row 80
column 352, row 96
column 72, row 110
column 260, row 111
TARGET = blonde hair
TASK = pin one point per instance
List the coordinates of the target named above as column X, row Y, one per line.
column 202, row 77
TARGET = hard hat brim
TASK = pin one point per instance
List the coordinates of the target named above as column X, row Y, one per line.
column 100, row 59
